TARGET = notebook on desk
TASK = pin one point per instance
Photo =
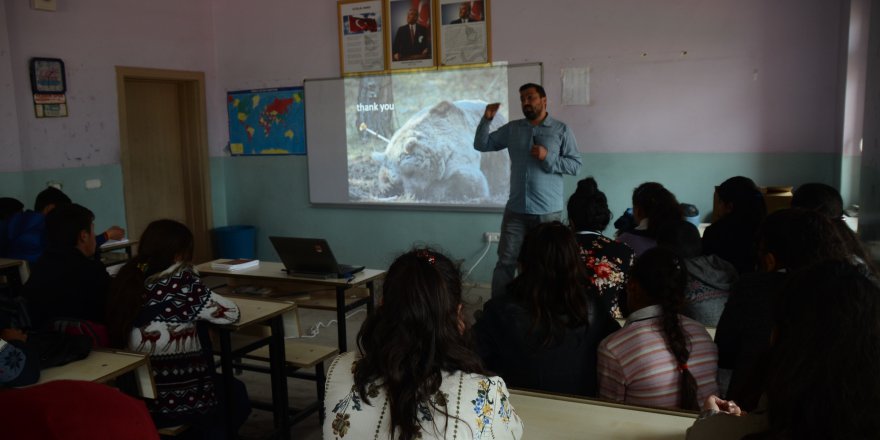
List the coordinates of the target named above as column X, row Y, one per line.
column 311, row 257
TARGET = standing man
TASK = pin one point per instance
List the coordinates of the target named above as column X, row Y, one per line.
column 541, row 150
column 412, row 41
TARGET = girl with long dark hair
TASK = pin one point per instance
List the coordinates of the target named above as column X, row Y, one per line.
column 659, row 358
column 415, row 374
column 654, row 208
column 822, row 377
column 607, row 261
column 156, row 300
column 739, row 208
column 544, row 333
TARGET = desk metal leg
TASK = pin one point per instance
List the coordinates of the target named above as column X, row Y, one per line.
column 279, row 378
column 340, row 319
column 226, row 371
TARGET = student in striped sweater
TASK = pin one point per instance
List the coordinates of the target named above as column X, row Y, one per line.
column 659, row 358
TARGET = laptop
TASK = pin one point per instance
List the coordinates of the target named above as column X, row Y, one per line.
column 311, row 258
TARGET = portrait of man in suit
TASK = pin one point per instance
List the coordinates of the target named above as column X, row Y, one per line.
column 464, row 14
column 412, row 40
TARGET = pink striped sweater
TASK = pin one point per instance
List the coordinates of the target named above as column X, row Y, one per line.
column 635, row 365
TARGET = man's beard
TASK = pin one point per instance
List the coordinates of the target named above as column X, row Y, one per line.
column 530, row 113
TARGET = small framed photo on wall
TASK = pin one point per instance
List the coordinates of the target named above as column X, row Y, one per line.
column 47, row 75
column 361, row 36
column 463, row 32
column 410, row 34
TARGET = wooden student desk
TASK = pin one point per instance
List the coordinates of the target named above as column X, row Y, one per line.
column 108, row 255
column 103, row 365
column 274, row 273
column 256, row 311
column 15, row 272
column 562, row 417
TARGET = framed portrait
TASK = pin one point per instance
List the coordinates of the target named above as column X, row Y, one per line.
column 463, row 32
column 410, row 41
column 361, row 36
column 47, row 75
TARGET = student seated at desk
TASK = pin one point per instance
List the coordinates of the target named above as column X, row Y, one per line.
column 659, row 358
column 789, row 240
column 607, row 261
column 415, row 375
column 26, row 231
column 654, row 207
column 66, row 282
column 739, row 207
column 825, row 200
column 157, row 300
column 822, row 380
column 543, row 334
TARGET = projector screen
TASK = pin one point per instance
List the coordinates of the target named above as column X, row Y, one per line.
column 407, row 139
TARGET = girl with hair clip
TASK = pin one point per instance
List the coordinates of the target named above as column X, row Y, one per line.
column 543, row 335
column 822, row 377
column 659, row 358
column 156, row 302
column 654, row 207
column 415, row 374
column 607, row 261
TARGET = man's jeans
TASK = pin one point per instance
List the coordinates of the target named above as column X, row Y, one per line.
column 514, row 227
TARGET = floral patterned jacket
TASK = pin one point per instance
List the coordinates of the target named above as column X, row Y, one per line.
column 607, row 262
column 479, row 405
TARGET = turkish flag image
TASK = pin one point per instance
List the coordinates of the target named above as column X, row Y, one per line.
column 358, row 25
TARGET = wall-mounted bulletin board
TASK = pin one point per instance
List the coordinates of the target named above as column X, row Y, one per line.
column 361, row 36
column 463, row 32
column 381, row 36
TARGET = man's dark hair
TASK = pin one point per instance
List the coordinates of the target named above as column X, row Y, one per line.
column 50, row 196
column 538, row 88
column 819, row 197
column 64, row 224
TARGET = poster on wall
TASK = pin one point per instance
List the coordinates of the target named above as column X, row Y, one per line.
column 266, row 121
column 410, row 34
column 48, row 83
column 464, row 32
column 361, row 31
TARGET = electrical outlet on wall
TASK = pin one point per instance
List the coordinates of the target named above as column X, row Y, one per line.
column 491, row 237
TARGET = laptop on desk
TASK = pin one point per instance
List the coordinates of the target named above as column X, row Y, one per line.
column 311, row 258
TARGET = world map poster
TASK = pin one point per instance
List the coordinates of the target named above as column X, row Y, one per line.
column 267, row 121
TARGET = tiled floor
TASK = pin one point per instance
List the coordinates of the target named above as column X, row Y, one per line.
column 301, row 392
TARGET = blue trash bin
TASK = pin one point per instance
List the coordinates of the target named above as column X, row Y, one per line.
column 237, row 241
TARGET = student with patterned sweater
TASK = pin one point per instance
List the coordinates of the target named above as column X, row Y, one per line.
column 157, row 301
column 415, row 374
column 659, row 358
column 607, row 261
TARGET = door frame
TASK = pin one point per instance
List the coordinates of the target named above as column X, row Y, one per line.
column 194, row 131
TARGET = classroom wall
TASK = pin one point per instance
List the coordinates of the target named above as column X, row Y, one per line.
column 685, row 92
column 869, row 219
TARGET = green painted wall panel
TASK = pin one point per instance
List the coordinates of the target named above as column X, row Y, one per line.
column 272, row 194
column 107, row 202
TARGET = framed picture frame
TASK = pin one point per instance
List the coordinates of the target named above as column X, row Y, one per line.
column 410, row 41
column 47, row 75
column 361, row 36
column 463, row 35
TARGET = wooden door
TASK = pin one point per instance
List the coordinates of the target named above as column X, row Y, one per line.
column 164, row 153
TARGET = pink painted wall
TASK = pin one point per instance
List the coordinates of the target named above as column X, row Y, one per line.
column 757, row 76
column 92, row 37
